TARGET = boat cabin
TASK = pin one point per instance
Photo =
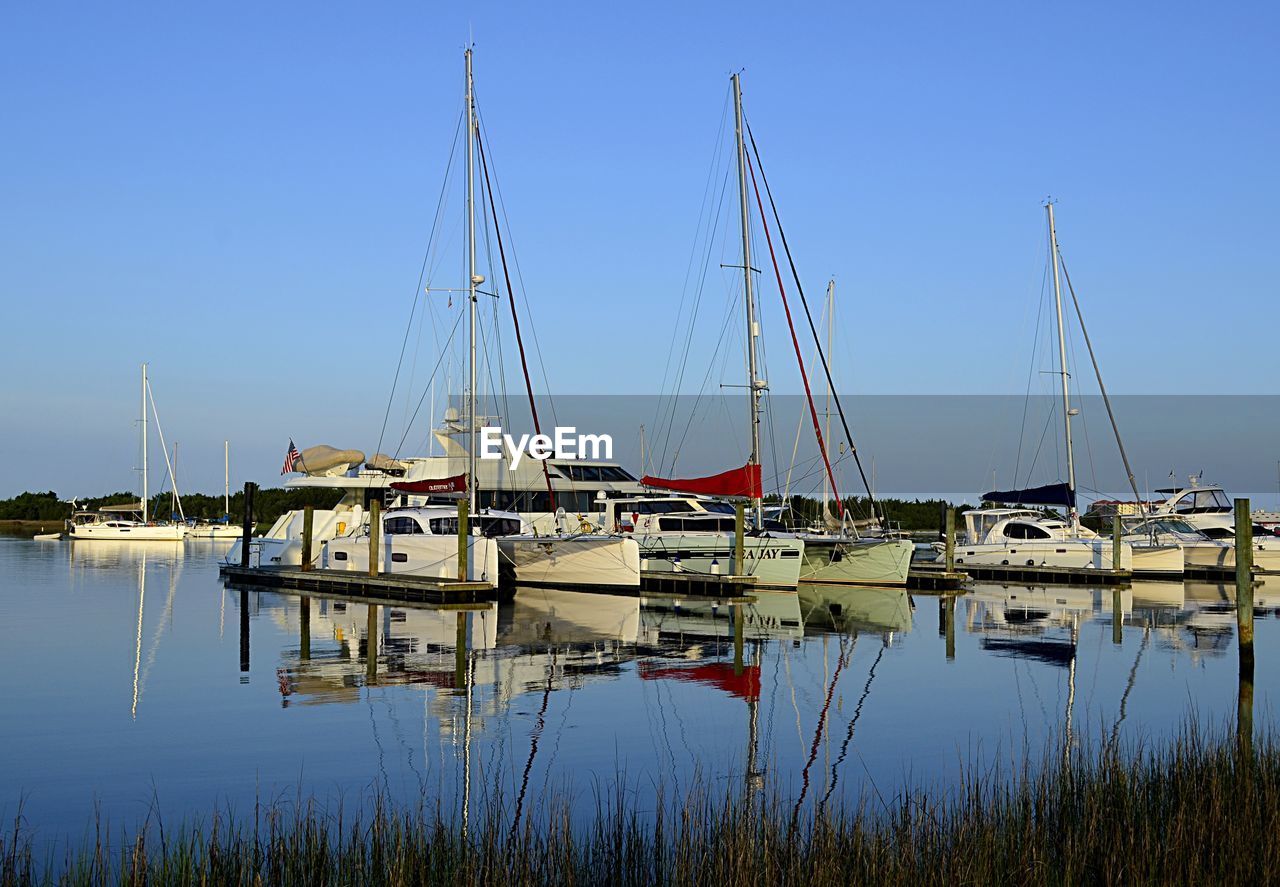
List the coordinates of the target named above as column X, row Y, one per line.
column 995, row 526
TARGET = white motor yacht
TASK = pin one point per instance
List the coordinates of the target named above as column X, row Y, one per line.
column 1207, row 508
column 1025, row 537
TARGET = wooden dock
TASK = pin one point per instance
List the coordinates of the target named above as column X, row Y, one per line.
column 1032, row 575
column 697, row 585
column 393, row 588
column 930, row 577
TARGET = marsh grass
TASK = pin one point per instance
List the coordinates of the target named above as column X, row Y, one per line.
column 1201, row 809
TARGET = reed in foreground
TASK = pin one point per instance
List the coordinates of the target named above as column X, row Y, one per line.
column 1200, row 810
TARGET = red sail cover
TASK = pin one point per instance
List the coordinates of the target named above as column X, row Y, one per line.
column 433, row 486
column 715, row 674
column 744, row 482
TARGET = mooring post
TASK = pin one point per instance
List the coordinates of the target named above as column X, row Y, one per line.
column 304, row 628
column 308, row 519
column 1116, row 543
column 371, row 647
column 1244, row 584
column 739, row 537
column 950, row 541
column 460, row 653
column 247, row 536
column 1244, row 713
column 1117, row 616
column 738, row 619
column 464, row 530
column 949, row 624
column 375, row 535
column 244, row 634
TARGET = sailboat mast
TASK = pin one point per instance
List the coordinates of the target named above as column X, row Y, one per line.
column 226, row 477
column 472, row 281
column 754, row 385
column 1073, row 513
column 144, row 443
column 826, row 409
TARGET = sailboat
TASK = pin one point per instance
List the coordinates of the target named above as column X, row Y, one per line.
column 422, row 538
column 222, row 529
column 1022, row 536
column 686, row 541
column 130, row 522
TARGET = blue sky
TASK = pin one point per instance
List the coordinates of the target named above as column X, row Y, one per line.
column 241, row 195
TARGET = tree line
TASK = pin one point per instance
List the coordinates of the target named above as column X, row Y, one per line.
column 268, row 504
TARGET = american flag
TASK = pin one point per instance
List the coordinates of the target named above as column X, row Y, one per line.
column 290, row 458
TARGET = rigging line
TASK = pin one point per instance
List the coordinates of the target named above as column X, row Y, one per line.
column 515, row 319
column 704, row 212
column 853, row 723
column 426, row 389
column 841, row 661
column 1106, row 399
column 533, row 744
column 515, row 260
column 683, row 363
column 418, row 289
column 697, row 398
column 826, row 367
column 795, row 342
column 1031, row 369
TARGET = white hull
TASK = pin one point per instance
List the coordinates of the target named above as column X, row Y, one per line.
column 1080, row 554
column 572, row 560
column 137, row 533
column 434, row 557
column 215, row 532
column 775, row 562
column 1222, row 555
column 281, row 546
column 1162, row 559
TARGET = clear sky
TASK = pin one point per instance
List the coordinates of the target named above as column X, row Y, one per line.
column 241, row 193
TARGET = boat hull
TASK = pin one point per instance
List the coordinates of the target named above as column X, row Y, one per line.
column 560, row 561
column 140, row 533
column 430, row 557
column 1161, row 560
column 774, row 562
column 877, row 562
column 1079, row 554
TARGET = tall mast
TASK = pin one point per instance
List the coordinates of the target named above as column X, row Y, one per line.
column 754, row 385
column 472, row 281
column 226, row 477
column 1073, row 513
column 826, row 431
column 144, row 443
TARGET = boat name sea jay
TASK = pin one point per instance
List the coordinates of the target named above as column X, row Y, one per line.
column 564, row 443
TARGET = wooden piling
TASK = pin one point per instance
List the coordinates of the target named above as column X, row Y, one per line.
column 308, row 520
column 247, row 536
column 950, row 541
column 739, row 537
column 738, row 624
column 1116, row 544
column 949, row 619
column 1117, row 616
column 1244, row 712
column 304, row 628
column 244, row 633
column 375, row 536
column 464, row 530
column 460, row 653
column 1244, row 583
column 371, row 646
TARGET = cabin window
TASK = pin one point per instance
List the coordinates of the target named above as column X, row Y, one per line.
column 444, row 526
column 1024, row 531
column 399, row 557
column 339, row 555
column 492, row 527
column 401, row 526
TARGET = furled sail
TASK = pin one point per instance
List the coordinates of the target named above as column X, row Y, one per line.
column 1049, row 494
column 743, row 482
column 435, row 486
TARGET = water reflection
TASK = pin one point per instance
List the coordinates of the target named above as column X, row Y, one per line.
column 207, row 694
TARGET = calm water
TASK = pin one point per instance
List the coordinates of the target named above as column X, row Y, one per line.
column 134, row 679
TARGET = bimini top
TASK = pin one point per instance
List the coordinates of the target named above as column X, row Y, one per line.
column 1050, row 494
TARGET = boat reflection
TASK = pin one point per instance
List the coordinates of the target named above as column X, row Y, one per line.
column 852, row 609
